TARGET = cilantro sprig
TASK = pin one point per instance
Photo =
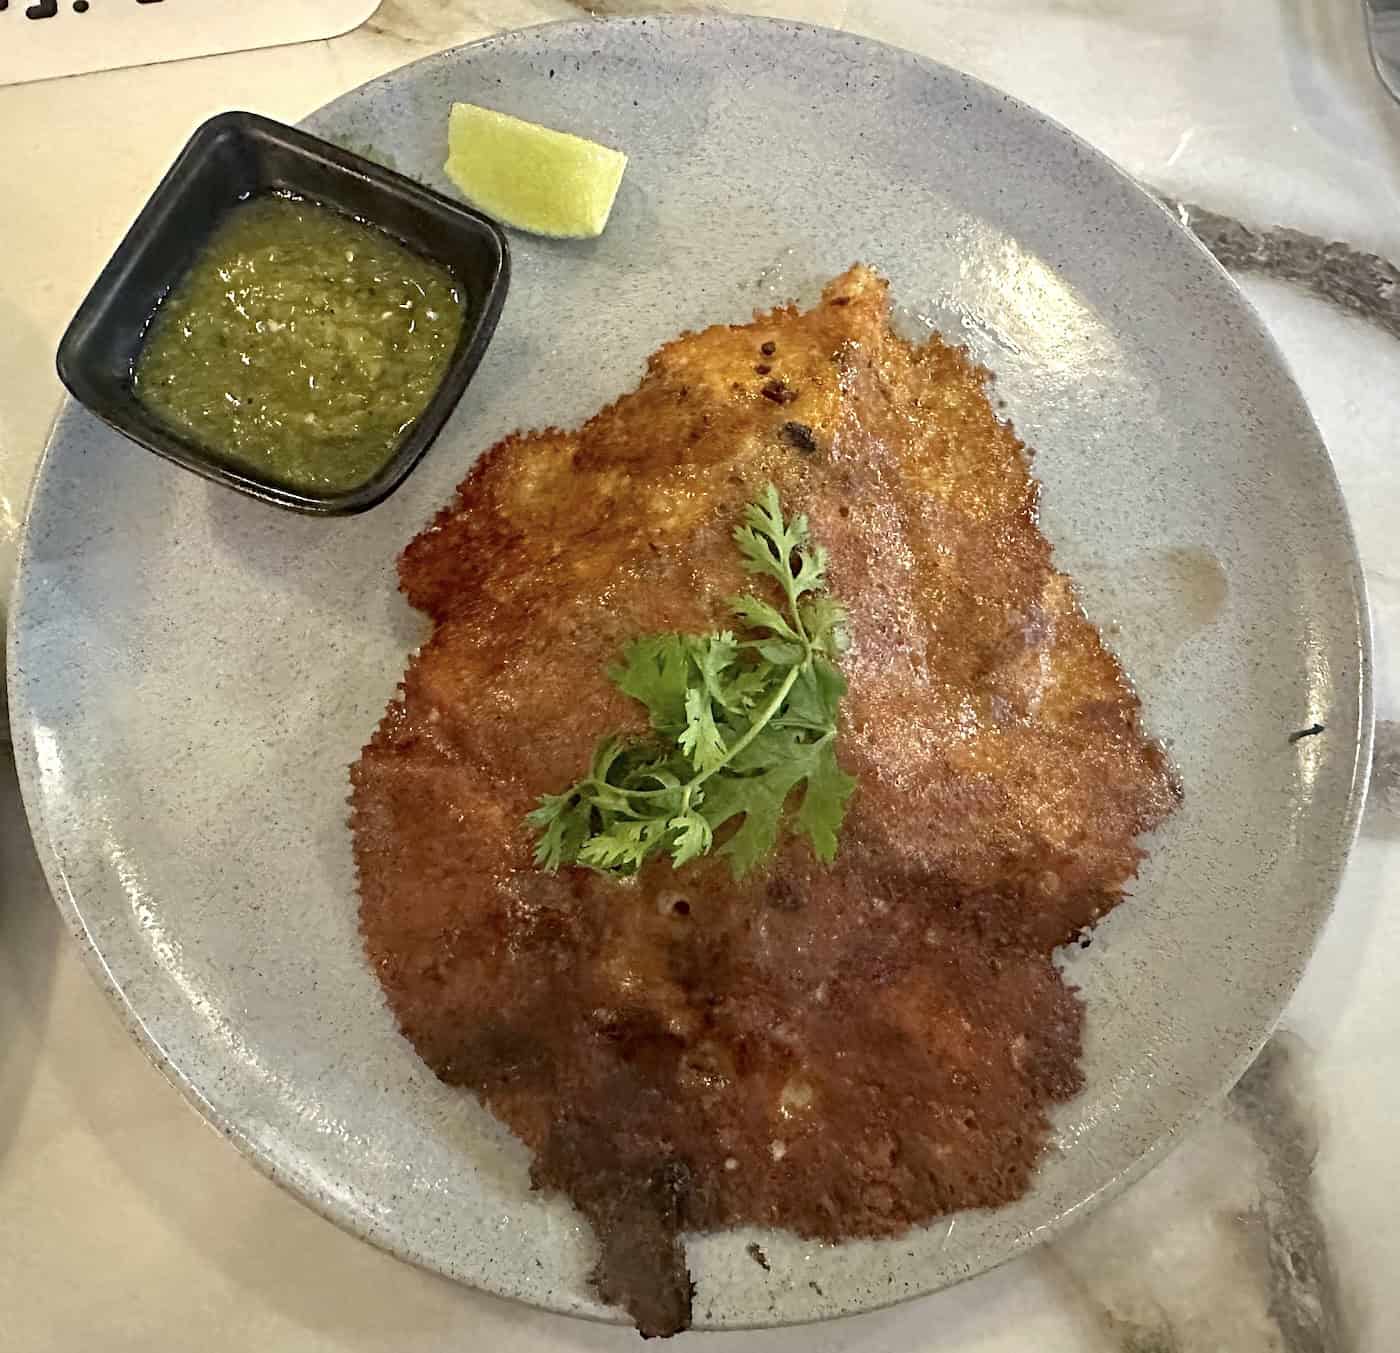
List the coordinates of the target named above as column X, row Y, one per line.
column 739, row 720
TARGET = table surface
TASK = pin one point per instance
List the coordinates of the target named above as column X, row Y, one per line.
column 126, row 1224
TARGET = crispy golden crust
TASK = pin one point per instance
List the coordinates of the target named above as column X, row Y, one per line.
column 841, row 1052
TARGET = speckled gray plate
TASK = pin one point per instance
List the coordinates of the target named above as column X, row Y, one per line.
column 191, row 672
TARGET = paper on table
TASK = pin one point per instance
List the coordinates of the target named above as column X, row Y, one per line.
column 71, row 37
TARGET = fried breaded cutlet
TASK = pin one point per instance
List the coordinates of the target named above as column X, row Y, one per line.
column 836, row 1051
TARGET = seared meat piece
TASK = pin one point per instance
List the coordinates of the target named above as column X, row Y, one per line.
column 843, row 1051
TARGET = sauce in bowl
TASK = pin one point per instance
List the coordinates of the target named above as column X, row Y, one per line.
column 301, row 346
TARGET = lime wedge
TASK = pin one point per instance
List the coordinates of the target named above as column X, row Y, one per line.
column 529, row 176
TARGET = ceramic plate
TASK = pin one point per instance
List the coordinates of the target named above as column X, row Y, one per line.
column 192, row 672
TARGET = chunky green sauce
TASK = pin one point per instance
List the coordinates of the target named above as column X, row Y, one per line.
column 301, row 345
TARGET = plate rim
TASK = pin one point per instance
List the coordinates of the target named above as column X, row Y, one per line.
column 25, row 751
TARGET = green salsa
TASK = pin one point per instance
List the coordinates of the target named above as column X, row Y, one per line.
column 302, row 344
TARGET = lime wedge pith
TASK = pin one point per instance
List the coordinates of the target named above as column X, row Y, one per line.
column 531, row 177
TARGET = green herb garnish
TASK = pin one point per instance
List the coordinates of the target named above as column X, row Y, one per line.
column 738, row 723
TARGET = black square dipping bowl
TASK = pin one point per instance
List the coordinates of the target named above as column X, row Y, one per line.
column 231, row 158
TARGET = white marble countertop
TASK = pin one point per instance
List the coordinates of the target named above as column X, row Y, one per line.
column 125, row 1224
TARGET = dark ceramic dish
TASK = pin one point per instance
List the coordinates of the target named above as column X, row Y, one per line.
column 230, row 158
